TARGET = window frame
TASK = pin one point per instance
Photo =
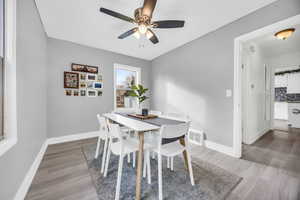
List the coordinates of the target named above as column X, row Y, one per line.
column 10, row 96
column 138, row 81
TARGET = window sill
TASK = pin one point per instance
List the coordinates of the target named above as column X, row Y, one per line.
column 6, row 145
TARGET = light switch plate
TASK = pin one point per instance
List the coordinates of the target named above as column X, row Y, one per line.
column 228, row 93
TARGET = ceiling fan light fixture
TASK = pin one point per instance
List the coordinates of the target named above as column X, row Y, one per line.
column 142, row 29
column 284, row 34
column 137, row 35
column 149, row 34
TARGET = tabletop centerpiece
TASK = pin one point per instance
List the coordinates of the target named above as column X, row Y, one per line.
column 138, row 91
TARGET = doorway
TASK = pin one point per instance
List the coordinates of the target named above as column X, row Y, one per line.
column 258, row 81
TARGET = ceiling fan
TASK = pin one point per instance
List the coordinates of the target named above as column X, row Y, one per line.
column 142, row 17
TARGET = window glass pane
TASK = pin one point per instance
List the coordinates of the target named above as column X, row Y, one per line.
column 123, row 100
column 125, row 78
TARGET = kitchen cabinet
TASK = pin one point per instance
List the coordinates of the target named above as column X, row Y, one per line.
column 293, row 86
column 281, row 81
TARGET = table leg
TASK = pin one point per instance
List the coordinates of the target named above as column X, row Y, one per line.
column 139, row 167
column 182, row 142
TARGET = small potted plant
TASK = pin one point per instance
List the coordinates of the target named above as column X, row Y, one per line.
column 139, row 91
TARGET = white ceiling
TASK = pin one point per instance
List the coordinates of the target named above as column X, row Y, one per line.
column 271, row 46
column 81, row 22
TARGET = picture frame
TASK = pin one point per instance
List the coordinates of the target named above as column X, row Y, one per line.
column 91, row 77
column 99, row 78
column 82, row 93
column 84, row 68
column 90, row 84
column 71, row 80
column 98, row 85
column 91, row 93
column 82, row 85
column 68, row 92
column 82, row 77
column 75, row 93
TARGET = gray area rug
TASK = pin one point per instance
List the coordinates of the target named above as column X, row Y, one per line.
column 211, row 182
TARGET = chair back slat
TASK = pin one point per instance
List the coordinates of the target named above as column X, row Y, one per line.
column 114, row 130
column 174, row 131
column 102, row 124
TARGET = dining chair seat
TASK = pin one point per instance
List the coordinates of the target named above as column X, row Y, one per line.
column 170, row 149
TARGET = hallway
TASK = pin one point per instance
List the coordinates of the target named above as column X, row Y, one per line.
column 278, row 149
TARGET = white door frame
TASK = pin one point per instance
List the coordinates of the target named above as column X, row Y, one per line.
column 238, row 42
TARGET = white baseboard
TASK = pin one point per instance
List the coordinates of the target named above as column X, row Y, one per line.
column 25, row 185
column 259, row 135
column 220, row 148
column 70, row 138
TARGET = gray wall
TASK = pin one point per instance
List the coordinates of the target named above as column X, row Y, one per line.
column 31, row 99
column 192, row 79
column 70, row 115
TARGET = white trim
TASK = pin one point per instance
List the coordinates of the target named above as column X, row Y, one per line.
column 10, row 96
column 220, row 148
column 74, row 137
column 237, row 116
column 25, row 185
column 254, row 139
column 138, row 81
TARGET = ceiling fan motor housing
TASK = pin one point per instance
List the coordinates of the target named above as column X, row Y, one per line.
column 140, row 18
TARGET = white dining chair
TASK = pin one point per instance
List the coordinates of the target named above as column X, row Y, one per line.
column 103, row 135
column 129, row 131
column 172, row 149
column 175, row 116
column 157, row 113
column 122, row 147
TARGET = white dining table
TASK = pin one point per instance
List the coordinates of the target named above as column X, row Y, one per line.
column 140, row 127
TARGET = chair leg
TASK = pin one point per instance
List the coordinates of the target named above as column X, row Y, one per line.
column 97, row 149
column 118, row 188
column 128, row 158
column 133, row 159
column 107, row 158
column 172, row 163
column 145, row 165
column 148, row 167
column 190, row 167
column 159, row 177
column 104, row 154
column 153, row 155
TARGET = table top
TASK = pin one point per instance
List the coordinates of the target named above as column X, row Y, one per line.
column 131, row 123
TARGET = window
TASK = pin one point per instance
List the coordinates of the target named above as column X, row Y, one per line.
column 2, row 52
column 124, row 78
column 8, row 97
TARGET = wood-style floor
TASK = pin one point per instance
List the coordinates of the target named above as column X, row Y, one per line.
column 270, row 169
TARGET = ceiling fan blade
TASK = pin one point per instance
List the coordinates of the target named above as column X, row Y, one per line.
column 152, row 37
column 128, row 33
column 148, row 7
column 117, row 15
column 168, row 24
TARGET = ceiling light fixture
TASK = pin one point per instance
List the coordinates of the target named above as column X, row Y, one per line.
column 137, row 35
column 284, row 34
column 149, row 34
column 143, row 29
